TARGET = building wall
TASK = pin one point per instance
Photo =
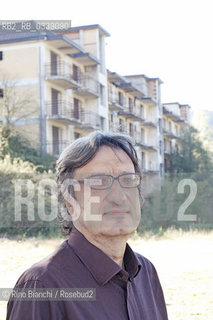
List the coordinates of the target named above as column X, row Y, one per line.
column 19, row 62
column 54, row 125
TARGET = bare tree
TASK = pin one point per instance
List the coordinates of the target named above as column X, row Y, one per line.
column 15, row 105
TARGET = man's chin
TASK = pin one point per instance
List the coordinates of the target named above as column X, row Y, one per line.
column 118, row 231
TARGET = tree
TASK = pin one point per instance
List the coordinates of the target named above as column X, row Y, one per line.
column 202, row 122
column 193, row 157
column 15, row 105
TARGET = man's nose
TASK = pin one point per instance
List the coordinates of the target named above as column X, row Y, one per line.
column 116, row 193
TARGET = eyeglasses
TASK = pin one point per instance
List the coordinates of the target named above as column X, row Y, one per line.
column 105, row 181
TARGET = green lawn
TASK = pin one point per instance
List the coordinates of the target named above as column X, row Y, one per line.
column 184, row 261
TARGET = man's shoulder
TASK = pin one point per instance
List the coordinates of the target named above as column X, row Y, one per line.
column 145, row 263
column 46, row 269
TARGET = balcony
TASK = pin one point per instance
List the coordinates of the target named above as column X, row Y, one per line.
column 89, row 121
column 145, row 146
column 63, row 111
column 61, row 74
column 150, row 102
column 130, row 113
column 56, row 147
column 122, row 128
column 150, row 172
column 170, row 134
column 150, row 123
column 114, row 104
column 173, row 115
column 89, row 87
column 167, row 152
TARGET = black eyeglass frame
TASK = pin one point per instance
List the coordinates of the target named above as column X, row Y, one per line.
column 113, row 179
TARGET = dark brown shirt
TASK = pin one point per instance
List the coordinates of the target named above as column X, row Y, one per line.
column 134, row 293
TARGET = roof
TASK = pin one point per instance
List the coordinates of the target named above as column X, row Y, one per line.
column 31, row 36
column 91, row 26
column 142, row 75
column 181, row 105
column 115, row 77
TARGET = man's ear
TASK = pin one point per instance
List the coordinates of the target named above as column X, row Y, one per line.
column 73, row 208
column 69, row 207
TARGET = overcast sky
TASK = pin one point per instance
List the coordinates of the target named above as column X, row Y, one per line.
column 169, row 39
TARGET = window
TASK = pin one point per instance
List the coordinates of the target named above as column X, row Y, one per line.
column 120, row 98
column 160, row 125
column 54, row 63
column 55, row 140
column 76, row 72
column 130, row 105
column 55, row 96
column 142, row 160
column 1, row 55
column 102, row 93
column 102, row 123
column 141, row 111
column 76, row 135
column 166, row 166
column 142, row 135
column 77, row 109
column 131, row 133
column 1, row 93
column 121, row 125
column 160, row 146
column 161, row 169
column 165, row 145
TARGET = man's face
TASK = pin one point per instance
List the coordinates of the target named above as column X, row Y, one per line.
column 118, row 208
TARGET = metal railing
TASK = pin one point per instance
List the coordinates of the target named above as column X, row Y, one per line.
column 56, row 146
column 61, row 69
column 88, row 84
column 90, row 119
column 63, row 109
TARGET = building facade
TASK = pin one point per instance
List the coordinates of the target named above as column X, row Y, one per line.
column 175, row 119
column 73, row 94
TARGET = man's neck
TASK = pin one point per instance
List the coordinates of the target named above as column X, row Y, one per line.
column 114, row 247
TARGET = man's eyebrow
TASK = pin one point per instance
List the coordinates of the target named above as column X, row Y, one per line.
column 106, row 174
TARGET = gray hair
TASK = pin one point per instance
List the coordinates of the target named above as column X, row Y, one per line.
column 79, row 153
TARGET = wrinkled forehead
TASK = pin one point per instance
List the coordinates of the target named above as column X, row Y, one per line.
column 106, row 161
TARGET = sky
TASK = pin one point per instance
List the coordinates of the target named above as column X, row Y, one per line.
column 168, row 39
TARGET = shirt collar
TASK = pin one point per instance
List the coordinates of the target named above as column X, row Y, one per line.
column 99, row 264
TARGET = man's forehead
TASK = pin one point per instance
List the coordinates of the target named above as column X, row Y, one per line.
column 107, row 160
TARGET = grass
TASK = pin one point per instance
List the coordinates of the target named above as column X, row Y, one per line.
column 184, row 261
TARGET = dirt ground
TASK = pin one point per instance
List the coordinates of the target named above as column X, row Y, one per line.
column 184, row 261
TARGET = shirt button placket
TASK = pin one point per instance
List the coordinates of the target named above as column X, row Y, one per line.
column 129, row 302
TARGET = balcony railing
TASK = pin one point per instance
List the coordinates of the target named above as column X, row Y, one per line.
column 170, row 134
column 90, row 120
column 150, row 123
column 63, row 111
column 130, row 113
column 114, row 104
column 61, row 73
column 89, row 87
column 122, row 128
column 56, row 146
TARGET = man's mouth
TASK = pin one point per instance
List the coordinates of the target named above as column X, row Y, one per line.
column 117, row 212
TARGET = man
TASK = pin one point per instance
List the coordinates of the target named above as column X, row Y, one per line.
column 100, row 184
